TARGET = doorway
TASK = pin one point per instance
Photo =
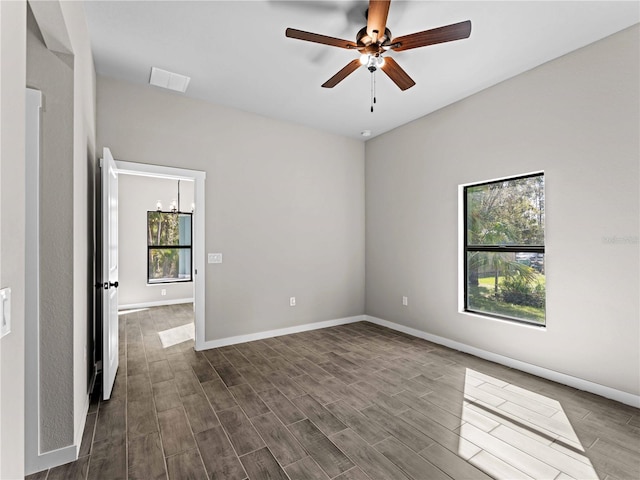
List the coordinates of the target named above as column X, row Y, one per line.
column 197, row 207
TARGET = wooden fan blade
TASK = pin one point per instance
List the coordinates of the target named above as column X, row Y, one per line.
column 397, row 74
column 317, row 38
column 348, row 69
column 377, row 18
column 448, row 33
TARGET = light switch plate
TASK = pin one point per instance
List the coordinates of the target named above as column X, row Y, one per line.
column 5, row 311
column 215, row 258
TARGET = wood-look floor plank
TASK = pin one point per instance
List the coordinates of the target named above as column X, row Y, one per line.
column 261, row 465
column 284, row 447
column 399, row 428
column 141, row 417
column 229, row 375
column 354, row 474
column 279, row 404
column 87, row 434
column 257, row 381
column 356, row 398
column 370, row 460
column 199, row 413
column 442, row 435
column 515, row 457
column 312, row 370
column 320, row 416
column 146, row 459
column 317, row 390
column 175, row 431
column 542, row 451
column 218, row 395
column 346, row 376
column 285, row 384
column 165, row 395
column 368, row 429
column 160, row 371
column 71, row 471
column 387, row 402
column 305, row 469
column 498, row 468
column 138, row 387
column 218, row 455
column 451, row 464
column 409, row 462
column 243, row 436
column 108, row 460
column 110, row 423
column 186, row 466
column 430, row 410
column 177, row 362
column 187, row 384
column 323, row 451
column 248, row 400
column 614, row 459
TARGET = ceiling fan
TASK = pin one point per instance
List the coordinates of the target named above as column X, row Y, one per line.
column 375, row 39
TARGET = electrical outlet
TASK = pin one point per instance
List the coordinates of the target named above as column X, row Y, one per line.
column 405, row 301
column 214, row 258
column 163, row 292
column 292, row 301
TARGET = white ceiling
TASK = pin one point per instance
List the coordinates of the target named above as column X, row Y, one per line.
column 237, row 55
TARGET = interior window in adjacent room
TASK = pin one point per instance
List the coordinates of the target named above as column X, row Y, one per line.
column 168, row 247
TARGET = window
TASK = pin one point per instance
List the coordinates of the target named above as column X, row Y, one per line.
column 168, row 247
column 504, row 249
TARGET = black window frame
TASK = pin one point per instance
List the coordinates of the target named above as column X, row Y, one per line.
column 188, row 247
column 515, row 248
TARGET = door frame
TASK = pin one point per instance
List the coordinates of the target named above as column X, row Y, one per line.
column 198, row 177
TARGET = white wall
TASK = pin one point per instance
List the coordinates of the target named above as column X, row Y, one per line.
column 576, row 118
column 284, row 204
column 12, row 232
column 136, row 196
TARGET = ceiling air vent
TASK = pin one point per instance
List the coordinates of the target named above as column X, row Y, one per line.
column 170, row 80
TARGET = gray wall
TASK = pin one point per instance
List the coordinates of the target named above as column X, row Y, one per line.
column 577, row 119
column 136, row 196
column 52, row 74
column 284, row 204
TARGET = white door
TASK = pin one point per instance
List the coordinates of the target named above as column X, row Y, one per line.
column 109, row 272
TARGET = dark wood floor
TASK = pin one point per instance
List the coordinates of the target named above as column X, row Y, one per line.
column 353, row 402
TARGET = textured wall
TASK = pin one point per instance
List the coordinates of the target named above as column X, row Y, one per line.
column 52, row 74
column 576, row 118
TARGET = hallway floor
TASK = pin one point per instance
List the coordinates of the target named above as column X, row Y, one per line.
column 354, row 402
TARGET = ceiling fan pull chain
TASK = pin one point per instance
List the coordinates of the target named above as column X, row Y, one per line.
column 374, row 87
column 372, row 93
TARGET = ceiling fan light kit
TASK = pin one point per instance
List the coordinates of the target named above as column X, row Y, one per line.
column 372, row 45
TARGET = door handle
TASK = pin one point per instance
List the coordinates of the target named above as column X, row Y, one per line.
column 108, row 285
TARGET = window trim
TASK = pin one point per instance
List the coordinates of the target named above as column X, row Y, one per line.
column 188, row 247
column 514, row 248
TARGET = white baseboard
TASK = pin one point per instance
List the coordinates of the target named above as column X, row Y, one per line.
column 223, row 342
column 579, row 383
column 155, row 304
